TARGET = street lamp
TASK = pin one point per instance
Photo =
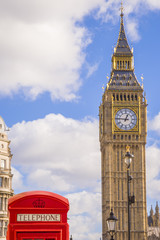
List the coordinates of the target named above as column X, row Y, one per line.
column 111, row 222
column 131, row 199
column 71, row 238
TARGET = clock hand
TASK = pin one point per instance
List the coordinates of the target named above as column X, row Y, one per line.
column 126, row 118
column 123, row 118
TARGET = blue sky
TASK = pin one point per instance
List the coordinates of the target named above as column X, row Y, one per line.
column 55, row 56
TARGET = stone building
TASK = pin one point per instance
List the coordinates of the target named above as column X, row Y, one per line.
column 154, row 223
column 5, row 178
column 154, row 217
column 122, row 122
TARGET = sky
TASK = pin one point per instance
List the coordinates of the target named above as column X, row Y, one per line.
column 55, row 57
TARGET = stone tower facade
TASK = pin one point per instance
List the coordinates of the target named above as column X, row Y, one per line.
column 122, row 122
column 5, row 178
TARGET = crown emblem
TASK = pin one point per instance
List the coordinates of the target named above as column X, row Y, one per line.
column 39, row 203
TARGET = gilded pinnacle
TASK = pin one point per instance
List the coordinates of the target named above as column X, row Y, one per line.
column 121, row 8
column 127, row 148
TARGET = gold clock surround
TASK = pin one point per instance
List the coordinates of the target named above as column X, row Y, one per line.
column 135, row 109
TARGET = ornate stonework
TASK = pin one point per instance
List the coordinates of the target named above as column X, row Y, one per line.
column 123, row 121
column 154, row 218
column 5, row 178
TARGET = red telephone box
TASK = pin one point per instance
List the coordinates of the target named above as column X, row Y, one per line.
column 38, row 215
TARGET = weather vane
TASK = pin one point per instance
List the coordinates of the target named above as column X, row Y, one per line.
column 121, row 8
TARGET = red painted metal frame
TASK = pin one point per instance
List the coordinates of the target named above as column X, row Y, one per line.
column 38, row 202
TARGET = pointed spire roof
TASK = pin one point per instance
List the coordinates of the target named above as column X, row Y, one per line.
column 157, row 207
column 151, row 211
column 122, row 44
column 122, row 74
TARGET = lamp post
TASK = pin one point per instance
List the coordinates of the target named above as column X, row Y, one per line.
column 131, row 199
column 111, row 222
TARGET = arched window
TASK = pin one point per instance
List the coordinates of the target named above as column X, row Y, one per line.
column 117, row 97
column 136, row 97
column 120, row 64
column 132, row 97
column 117, row 64
column 126, row 66
column 123, row 64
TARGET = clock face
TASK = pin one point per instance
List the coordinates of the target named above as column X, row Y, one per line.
column 125, row 119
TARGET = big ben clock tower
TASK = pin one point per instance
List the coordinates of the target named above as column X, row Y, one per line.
column 123, row 122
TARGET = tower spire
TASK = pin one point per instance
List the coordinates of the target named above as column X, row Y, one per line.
column 122, row 44
column 123, row 62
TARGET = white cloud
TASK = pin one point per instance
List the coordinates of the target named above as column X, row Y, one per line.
column 153, row 172
column 132, row 29
column 59, row 150
column 43, row 48
column 17, row 180
column 153, row 4
column 153, row 163
column 91, row 69
column 154, row 124
column 85, row 215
